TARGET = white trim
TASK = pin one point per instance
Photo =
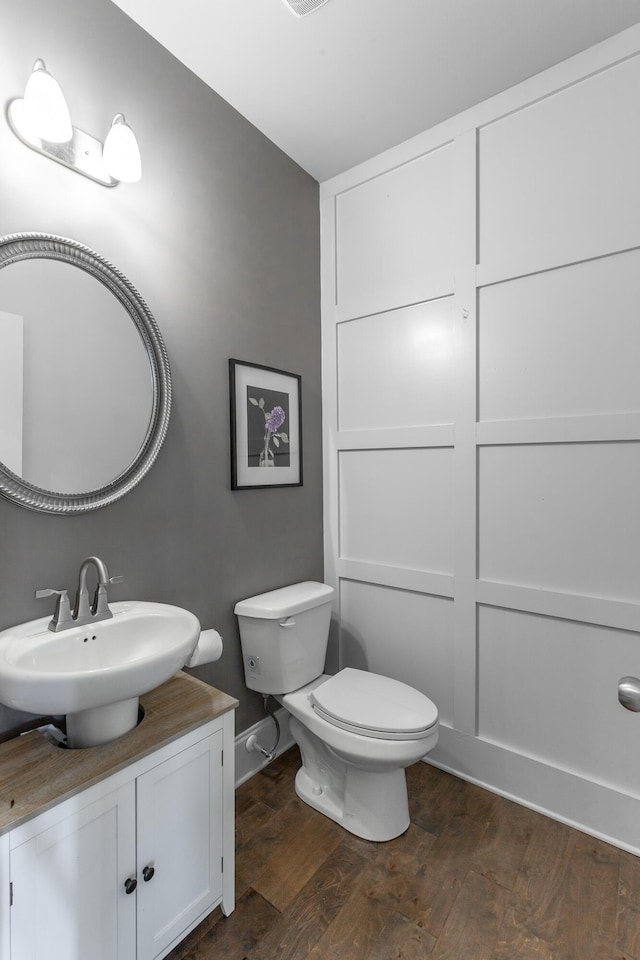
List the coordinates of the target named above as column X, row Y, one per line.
column 487, row 276
column 329, row 334
column 419, row 581
column 426, row 290
column 599, row 809
column 617, row 614
column 250, row 762
column 465, row 469
column 592, row 428
column 397, row 438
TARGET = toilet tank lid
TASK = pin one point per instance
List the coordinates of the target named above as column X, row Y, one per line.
column 286, row 601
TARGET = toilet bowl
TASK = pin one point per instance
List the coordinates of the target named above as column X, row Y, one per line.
column 357, row 777
column 357, row 731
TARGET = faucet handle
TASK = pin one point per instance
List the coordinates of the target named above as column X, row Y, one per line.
column 62, row 615
column 50, row 593
column 100, row 606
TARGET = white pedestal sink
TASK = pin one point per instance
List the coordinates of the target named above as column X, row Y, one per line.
column 95, row 673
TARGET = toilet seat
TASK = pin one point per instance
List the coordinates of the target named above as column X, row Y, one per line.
column 374, row 706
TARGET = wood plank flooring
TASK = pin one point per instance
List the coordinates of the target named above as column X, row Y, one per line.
column 476, row 877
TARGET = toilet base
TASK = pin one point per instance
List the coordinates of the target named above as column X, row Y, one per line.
column 371, row 804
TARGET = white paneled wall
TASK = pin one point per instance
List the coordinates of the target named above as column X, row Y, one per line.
column 563, row 343
column 558, row 178
column 561, row 516
column 481, row 341
column 522, row 698
column 407, row 380
column 396, row 507
column 386, row 230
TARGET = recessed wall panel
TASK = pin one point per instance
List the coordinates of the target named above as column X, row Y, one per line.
column 561, row 343
column 549, row 689
column 394, row 234
column 561, row 517
column 395, row 369
column 396, row 509
column 558, row 179
column 407, row 636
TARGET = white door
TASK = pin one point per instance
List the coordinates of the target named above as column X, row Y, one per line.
column 68, row 884
column 179, row 844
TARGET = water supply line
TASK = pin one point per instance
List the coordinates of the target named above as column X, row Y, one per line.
column 252, row 741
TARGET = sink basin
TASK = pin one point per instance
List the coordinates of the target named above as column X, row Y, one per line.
column 95, row 673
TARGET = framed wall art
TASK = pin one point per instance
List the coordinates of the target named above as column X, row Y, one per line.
column 266, row 426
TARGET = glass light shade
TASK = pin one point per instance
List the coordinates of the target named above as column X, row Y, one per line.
column 121, row 154
column 45, row 109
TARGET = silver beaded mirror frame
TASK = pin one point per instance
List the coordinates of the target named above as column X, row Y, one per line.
column 27, row 246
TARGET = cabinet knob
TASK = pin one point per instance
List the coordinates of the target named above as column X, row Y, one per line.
column 147, row 873
column 130, row 884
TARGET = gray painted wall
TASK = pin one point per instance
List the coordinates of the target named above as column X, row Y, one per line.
column 221, row 238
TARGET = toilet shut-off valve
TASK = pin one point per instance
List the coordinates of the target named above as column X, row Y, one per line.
column 252, row 744
column 252, row 740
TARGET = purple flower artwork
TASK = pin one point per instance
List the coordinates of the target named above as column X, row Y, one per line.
column 267, row 449
column 266, row 426
column 275, row 419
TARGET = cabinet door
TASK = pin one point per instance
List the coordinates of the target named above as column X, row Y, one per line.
column 69, row 900
column 180, row 840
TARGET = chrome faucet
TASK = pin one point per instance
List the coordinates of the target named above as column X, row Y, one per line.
column 99, row 610
column 63, row 618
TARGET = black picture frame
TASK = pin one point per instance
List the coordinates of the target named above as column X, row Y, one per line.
column 265, row 407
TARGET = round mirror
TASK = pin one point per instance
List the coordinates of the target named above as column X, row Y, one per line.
column 85, row 386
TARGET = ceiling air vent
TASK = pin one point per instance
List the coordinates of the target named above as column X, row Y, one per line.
column 302, row 7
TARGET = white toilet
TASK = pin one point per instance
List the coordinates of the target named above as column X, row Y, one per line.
column 357, row 731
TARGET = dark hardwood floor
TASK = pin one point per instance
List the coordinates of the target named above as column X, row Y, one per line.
column 476, row 877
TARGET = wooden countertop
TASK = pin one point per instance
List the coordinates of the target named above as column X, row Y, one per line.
column 36, row 774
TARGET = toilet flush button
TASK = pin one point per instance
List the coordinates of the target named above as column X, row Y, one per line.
column 253, row 663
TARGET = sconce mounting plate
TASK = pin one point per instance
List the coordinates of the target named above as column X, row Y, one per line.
column 83, row 153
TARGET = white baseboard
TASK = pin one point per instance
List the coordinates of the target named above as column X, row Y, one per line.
column 598, row 809
column 249, row 762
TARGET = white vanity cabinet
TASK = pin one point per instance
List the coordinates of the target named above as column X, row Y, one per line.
column 125, row 868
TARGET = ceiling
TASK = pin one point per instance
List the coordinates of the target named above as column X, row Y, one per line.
column 355, row 77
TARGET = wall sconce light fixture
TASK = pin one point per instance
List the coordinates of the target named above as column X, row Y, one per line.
column 42, row 121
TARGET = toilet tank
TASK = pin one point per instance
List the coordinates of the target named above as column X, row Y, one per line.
column 284, row 636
